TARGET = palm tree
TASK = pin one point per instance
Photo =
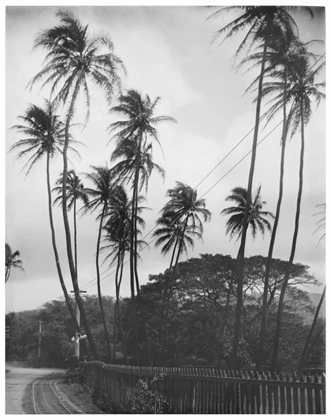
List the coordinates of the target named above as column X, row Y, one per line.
column 185, row 211
column 73, row 59
column 100, row 196
column 285, row 50
column 257, row 222
column 75, row 191
column 169, row 234
column 261, row 21
column 117, row 228
column 44, row 136
column 11, row 261
column 134, row 137
column 257, row 218
column 301, row 91
column 181, row 218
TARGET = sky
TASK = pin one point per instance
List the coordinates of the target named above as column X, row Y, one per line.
column 168, row 53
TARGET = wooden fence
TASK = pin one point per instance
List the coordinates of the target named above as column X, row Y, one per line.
column 211, row 391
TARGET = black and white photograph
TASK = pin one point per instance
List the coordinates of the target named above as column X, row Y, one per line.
column 165, row 208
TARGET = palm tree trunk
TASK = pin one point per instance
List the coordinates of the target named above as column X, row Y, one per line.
column 7, row 274
column 79, row 299
column 260, row 358
column 305, row 349
column 119, row 312
column 99, row 285
column 241, row 254
column 56, row 255
column 293, row 249
column 169, row 295
column 132, row 257
column 173, row 253
column 115, row 333
column 75, row 238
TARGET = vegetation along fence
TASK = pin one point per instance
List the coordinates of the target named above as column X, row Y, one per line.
column 210, row 391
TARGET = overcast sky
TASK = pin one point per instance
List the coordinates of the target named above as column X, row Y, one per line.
column 168, row 53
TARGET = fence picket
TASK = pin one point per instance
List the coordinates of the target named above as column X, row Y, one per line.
column 207, row 390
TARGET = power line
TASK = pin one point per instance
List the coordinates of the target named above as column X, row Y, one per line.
column 209, row 173
column 213, row 186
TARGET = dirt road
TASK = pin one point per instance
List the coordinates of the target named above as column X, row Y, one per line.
column 18, row 379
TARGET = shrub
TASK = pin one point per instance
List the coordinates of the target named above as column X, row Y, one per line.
column 144, row 400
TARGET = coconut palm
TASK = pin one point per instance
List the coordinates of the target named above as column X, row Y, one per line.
column 74, row 58
column 169, row 233
column 100, row 196
column 260, row 22
column 181, row 219
column 135, row 136
column 301, row 92
column 11, row 261
column 75, row 191
column 117, row 228
column 185, row 211
column 285, row 50
column 258, row 223
column 132, row 137
column 257, row 218
column 43, row 133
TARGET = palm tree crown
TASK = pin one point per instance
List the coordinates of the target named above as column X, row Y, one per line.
column 74, row 57
column 44, row 134
column 257, row 219
column 11, row 261
column 184, row 204
column 75, row 190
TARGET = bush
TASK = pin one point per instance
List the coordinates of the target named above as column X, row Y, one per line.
column 75, row 375
column 144, row 400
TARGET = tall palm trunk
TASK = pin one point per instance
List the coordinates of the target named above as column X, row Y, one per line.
column 79, row 299
column 293, row 249
column 260, row 357
column 132, row 256
column 75, row 237
column 118, row 281
column 57, row 260
column 174, row 252
column 241, row 254
column 169, row 294
column 99, row 285
column 312, row 329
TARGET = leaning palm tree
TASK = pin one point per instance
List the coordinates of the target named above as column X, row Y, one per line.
column 260, row 22
column 168, row 235
column 75, row 191
column 100, row 196
column 74, row 58
column 117, row 238
column 185, row 210
column 301, row 92
column 182, row 216
column 257, row 218
column 44, row 137
column 283, row 50
column 258, row 223
column 134, row 136
column 11, row 261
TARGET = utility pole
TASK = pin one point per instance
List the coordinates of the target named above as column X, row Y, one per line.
column 39, row 344
column 76, row 333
